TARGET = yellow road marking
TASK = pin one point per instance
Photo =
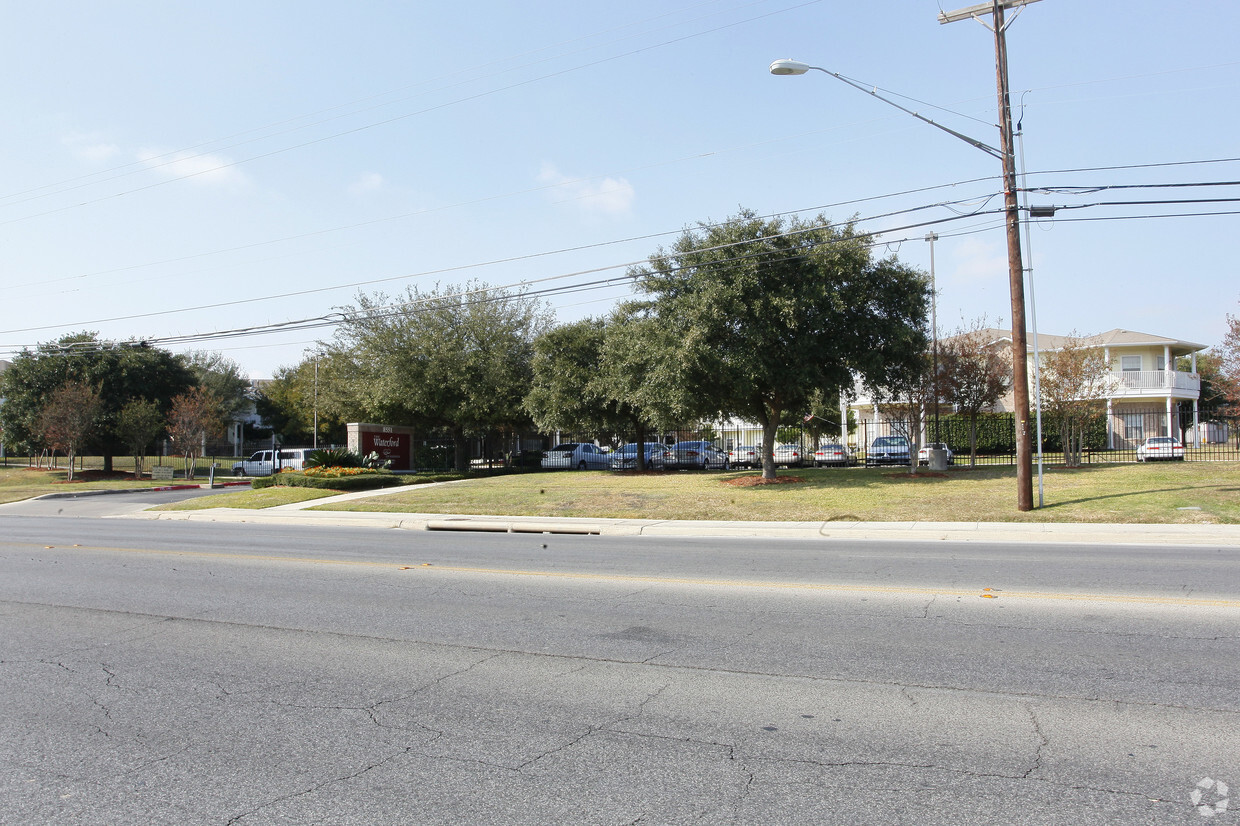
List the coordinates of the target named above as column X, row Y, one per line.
column 429, row 567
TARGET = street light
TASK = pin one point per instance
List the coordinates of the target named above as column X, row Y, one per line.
column 1016, row 270
column 315, row 437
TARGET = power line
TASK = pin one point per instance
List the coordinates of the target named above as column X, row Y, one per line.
column 474, row 202
column 443, row 271
column 336, row 318
column 333, row 319
column 318, row 321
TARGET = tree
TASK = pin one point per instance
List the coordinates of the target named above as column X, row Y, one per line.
column 642, row 372
column 1075, row 382
column 454, row 359
column 122, row 371
column 138, row 424
column 1213, row 392
column 67, row 418
column 289, row 402
column 761, row 313
column 1229, row 368
column 222, row 378
column 825, row 417
column 282, row 404
column 905, row 397
column 565, row 392
column 975, row 373
column 195, row 417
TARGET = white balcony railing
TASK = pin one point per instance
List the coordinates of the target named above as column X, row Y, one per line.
column 1142, row 382
column 1120, row 384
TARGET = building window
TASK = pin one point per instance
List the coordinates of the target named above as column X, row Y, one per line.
column 1134, row 427
column 1160, row 363
column 1130, row 364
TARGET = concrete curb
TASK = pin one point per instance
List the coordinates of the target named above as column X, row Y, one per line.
column 988, row 532
column 70, row 494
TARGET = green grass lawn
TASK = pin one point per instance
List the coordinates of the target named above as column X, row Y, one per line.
column 17, row 483
column 250, row 499
column 1184, row 492
column 1174, row 492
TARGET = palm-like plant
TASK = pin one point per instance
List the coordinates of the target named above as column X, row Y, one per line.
column 332, row 457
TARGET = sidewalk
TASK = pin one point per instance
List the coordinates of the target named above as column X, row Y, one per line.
column 299, row 513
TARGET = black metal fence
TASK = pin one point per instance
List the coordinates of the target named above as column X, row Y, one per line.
column 1117, row 438
column 1108, row 438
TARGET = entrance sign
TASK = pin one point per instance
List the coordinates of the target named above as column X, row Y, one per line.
column 392, row 442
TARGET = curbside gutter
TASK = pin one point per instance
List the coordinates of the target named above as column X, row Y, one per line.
column 989, row 532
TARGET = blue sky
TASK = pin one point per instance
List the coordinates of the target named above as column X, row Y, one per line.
column 174, row 171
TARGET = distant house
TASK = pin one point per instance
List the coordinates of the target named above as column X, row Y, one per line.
column 246, row 417
column 1142, row 396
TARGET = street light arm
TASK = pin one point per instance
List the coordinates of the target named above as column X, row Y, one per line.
column 790, row 67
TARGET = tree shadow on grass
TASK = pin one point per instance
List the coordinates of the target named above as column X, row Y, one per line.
column 1103, row 496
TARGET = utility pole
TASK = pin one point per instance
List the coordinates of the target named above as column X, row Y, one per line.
column 934, row 337
column 1016, row 268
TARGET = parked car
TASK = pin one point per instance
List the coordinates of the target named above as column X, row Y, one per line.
column 576, row 455
column 262, row 464
column 887, row 450
column 789, row 455
column 923, row 455
column 834, row 454
column 1155, row 448
column 626, row 457
column 696, row 456
column 745, row 456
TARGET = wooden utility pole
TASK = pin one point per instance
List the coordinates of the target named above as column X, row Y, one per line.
column 1016, row 267
column 1016, row 276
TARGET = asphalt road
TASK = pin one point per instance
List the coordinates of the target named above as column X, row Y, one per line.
column 230, row 673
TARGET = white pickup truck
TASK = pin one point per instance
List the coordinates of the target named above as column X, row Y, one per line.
column 261, row 464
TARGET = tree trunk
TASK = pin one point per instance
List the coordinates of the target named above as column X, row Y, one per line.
column 768, row 447
column 1065, row 431
column 69, row 478
column 107, row 462
column 640, row 427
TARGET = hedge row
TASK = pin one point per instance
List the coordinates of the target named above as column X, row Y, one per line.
column 368, row 481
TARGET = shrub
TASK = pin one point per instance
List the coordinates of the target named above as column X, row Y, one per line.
column 343, row 479
column 332, row 457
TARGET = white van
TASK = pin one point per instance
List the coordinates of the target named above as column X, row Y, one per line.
column 260, row 464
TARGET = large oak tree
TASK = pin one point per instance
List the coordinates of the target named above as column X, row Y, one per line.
column 761, row 313
column 122, row 371
column 456, row 359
